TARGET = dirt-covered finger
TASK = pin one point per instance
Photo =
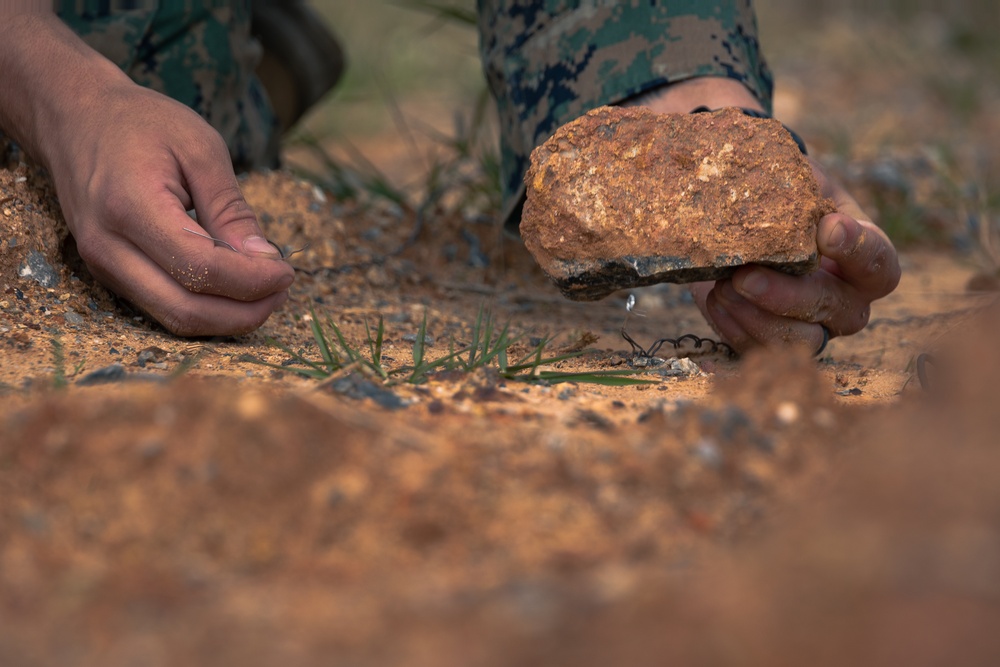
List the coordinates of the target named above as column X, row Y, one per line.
column 865, row 257
column 198, row 264
column 202, row 266
column 218, row 200
column 819, row 297
column 761, row 327
column 726, row 325
column 139, row 280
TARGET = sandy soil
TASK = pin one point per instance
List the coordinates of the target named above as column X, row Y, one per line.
column 191, row 506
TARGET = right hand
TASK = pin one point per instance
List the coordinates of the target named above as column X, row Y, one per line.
column 126, row 171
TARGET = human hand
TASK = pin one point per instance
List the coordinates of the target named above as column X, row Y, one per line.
column 759, row 306
column 128, row 163
column 126, row 173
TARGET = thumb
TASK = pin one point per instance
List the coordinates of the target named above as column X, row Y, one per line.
column 222, row 210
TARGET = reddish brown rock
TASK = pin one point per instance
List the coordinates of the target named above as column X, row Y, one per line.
column 624, row 197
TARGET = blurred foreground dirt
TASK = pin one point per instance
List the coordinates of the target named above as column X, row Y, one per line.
column 769, row 511
column 187, row 506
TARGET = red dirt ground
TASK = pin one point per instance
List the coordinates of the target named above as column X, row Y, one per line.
column 201, row 509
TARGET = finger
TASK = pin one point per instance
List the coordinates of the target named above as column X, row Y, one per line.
column 219, row 202
column 819, row 297
column 141, row 281
column 726, row 326
column 154, row 223
column 761, row 327
column 864, row 256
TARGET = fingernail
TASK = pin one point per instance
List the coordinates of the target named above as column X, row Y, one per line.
column 259, row 246
column 755, row 283
column 837, row 236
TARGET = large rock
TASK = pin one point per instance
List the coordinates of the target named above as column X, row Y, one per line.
column 624, row 197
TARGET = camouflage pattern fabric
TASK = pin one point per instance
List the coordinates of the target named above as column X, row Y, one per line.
column 550, row 61
column 199, row 53
column 547, row 62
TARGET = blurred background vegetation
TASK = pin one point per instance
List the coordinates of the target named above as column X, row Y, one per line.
column 900, row 98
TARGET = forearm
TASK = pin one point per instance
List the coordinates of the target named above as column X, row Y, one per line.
column 49, row 78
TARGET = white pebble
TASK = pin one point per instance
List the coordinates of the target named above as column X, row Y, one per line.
column 787, row 413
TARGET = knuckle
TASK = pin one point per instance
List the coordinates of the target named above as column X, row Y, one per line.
column 229, row 207
column 825, row 306
column 119, row 205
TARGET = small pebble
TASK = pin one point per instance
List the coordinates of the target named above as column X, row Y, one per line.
column 251, row 405
column 150, row 449
column 824, row 418
column 706, row 451
column 787, row 413
column 412, row 338
column 567, row 394
column 106, row 375
column 39, row 270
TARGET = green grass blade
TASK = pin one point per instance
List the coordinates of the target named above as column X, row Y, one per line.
column 606, row 378
column 351, row 353
column 375, row 346
column 474, row 343
column 544, row 361
column 312, row 373
column 501, row 344
column 59, row 363
column 322, row 342
column 295, row 355
column 418, row 348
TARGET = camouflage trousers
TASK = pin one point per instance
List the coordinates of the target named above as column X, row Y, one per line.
column 199, row 53
column 550, row 61
column 547, row 62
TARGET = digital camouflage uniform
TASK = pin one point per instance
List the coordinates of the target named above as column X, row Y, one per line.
column 199, row 53
column 547, row 62
column 550, row 61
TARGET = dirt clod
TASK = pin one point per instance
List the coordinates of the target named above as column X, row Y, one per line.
column 624, row 197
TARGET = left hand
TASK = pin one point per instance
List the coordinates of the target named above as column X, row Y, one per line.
column 763, row 307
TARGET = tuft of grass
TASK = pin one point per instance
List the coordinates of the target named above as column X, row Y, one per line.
column 461, row 168
column 487, row 349
column 345, row 182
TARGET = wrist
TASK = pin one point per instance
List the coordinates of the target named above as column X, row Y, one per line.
column 710, row 91
column 52, row 80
